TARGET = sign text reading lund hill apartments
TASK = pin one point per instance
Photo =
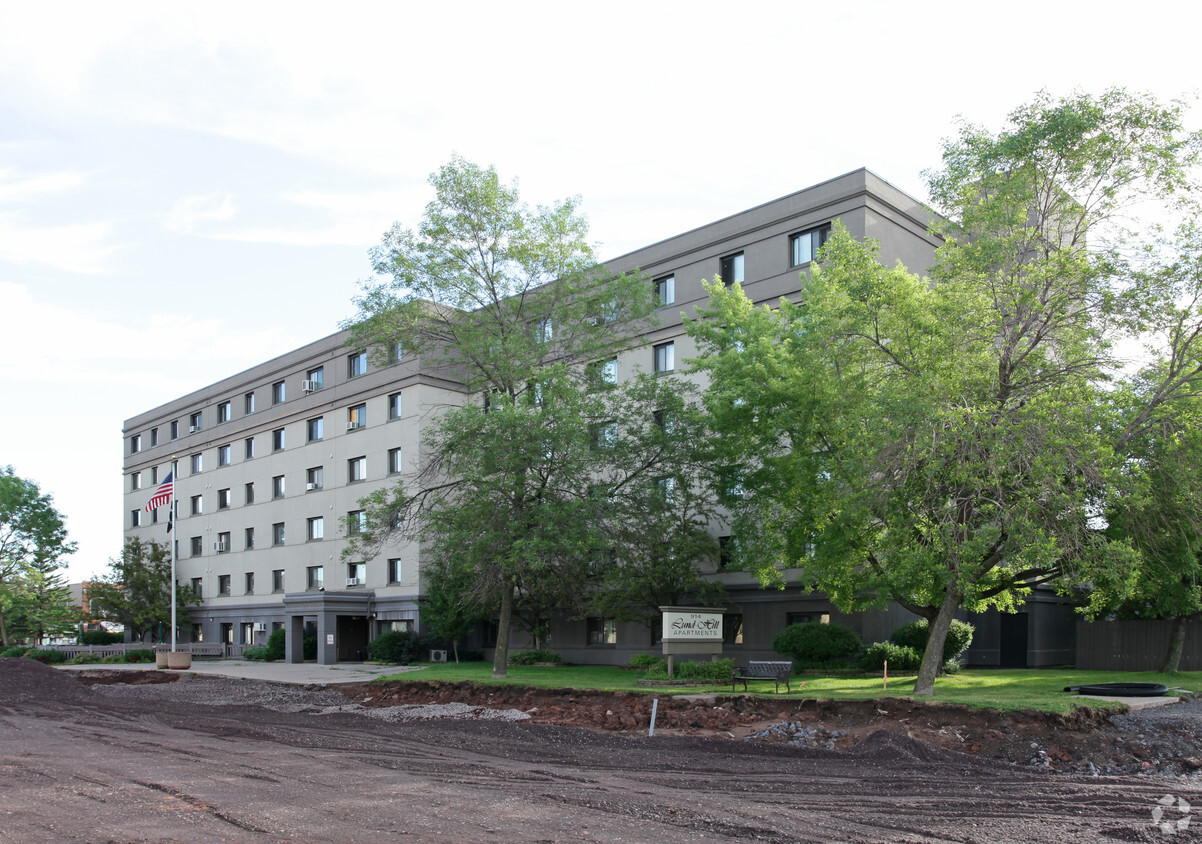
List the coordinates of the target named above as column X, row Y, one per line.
column 693, row 626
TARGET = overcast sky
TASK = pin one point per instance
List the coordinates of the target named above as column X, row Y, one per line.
column 189, row 189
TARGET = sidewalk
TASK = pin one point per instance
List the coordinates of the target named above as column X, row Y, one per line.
column 276, row 672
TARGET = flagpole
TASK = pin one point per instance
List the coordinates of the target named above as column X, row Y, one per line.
column 174, row 586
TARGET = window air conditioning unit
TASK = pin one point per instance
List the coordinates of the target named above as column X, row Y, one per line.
column 260, row 628
column 350, row 426
column 354, row 581
column 310, row 487
column 191, row 429
column 438, row 656
column 309, row 386
column 219, row 546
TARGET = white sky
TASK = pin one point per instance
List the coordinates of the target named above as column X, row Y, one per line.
column 188, row 189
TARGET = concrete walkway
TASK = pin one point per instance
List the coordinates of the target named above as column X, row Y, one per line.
column 276, row 672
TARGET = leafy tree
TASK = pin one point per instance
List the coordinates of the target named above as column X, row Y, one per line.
column 448, row 611
column 136, row 591
column 943, row 442
column 33, row 541
column 512, row 303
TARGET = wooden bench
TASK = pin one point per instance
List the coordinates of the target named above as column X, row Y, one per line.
column 776, row 671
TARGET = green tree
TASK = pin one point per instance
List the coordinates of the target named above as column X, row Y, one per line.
column 448, row 611
column 512, row 304
column 947, row 440
column 136, row 591
column 33, row 542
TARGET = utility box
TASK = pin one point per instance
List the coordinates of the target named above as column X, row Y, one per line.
column 438, row 656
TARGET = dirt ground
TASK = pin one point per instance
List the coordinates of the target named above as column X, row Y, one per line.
column 194, row 761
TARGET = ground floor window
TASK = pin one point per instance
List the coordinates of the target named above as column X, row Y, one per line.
column 732, row 628
column 807, row 618
column 402, row 625
column 602, row 631
column 198, row 633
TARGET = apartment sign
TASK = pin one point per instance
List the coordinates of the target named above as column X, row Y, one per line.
column 686, row 624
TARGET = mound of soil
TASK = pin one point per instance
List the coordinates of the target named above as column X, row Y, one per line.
column 23, row 680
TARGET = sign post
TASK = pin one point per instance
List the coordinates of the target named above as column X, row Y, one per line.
column 691, row 631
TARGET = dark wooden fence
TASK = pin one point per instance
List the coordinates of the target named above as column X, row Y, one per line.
column 1134, row 645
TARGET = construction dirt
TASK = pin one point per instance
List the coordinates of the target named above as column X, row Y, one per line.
column 108, row 757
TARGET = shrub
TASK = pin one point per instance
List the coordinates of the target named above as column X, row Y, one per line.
column 647, row 661
column 813, row 644
column 952, row 666
column 309, row 647
column 258, row 654
column 718, row 670
column 48, row 656
column 101, row 637
column 112, row 659
column 914, row 635
column 533, row 657
column 900, row 657
column 275, row 645
column 140, row 655
column 399, row 647
column 84, row 659
column 15, row 650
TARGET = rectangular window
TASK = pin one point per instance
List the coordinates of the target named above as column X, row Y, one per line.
column 154, row 474
column 277, row 580
column 394, row 461
column 277, row 439
column 198, row 585
column 135, row 481
column 730, row 269
column 135, row 518
column 804, row 247
column 315, row 577
column 314, row 478
column 198, row 463
column 223, row 543
column 728, row 553
column 665, row 357
column 665, row 290
column 195, row 423
column 223, row 455
column 223, row 499
column 356, row 417
column 277, row 533
column 356, row 469
column 665, row 420
column 395, row 352
column 135, row 443
column 732, row 628
column 154, row 437
column 605, row 435
column 248, row 493
column 316, row 428
column 394, row 406
column 249, row 539
column 277, row 486
column 356, row 521
column 356, row 364
column 250, row 448
column 315, row 379
column 317, row 528
column 667, row 489
column 175, row 430
column 543, row 331
column 197, row 505
column 279, row 391
column 224, row 412
column 603, row 373
column 394, row 571
column 356, row 574
column 602, row 631
column 248, row 404
column 197, row 543
column 250, row 583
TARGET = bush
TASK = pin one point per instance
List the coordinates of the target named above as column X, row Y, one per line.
column 84, row 659
column 309, row 647
column 533, row 657
column 101, row 637
column 718, row 670
column 813, row 644
column 900, row 657
column 276, row 642
column 399, row 647
column 258, row 654
column 914, row 635
column 112, row 659
column 14, row 651
column 46, row 656
column 648, row 661
column 140, row 655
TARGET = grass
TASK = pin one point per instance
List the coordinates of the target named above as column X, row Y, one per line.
column 1032, row 688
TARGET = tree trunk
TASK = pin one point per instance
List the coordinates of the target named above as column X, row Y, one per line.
column 455, row 649
column 1172, row 657
column 932, row 657
column 500, row 659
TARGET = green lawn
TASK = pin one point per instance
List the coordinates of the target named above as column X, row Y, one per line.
column 992, row 688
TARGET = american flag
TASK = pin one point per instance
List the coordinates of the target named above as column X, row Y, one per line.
column 162, row 495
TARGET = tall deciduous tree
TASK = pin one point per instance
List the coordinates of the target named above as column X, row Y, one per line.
column 33, row 542
column 942, row 442
column 511, row 302
column 136, row 591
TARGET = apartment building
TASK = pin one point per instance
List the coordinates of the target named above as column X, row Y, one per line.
column 273, row 461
